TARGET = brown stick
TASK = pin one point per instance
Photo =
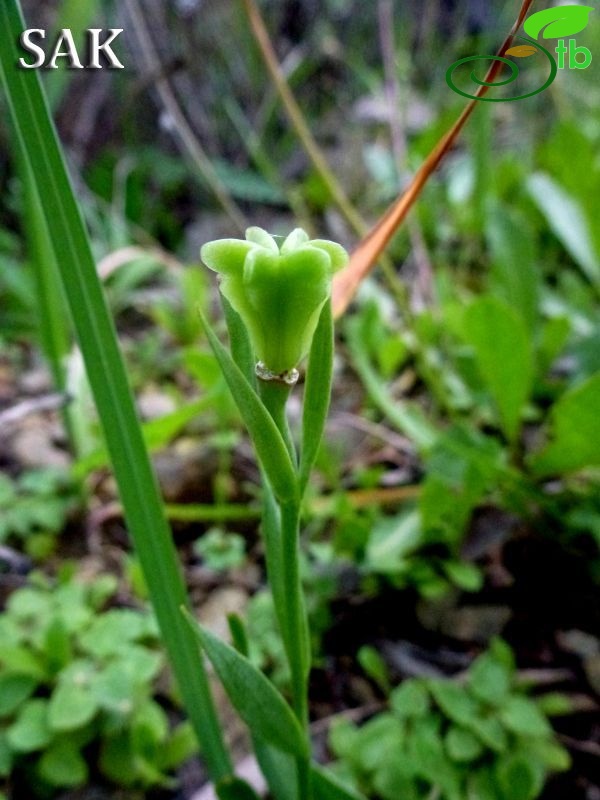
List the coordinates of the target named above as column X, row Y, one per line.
column 365, row 256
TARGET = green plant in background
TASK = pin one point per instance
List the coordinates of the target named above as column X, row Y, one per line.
column 34, row 509
column 277, row 307
column 221, row 550
column 79, row 688
column 482, row 737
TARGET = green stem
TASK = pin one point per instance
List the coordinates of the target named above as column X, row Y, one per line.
column 275, row 396
column 296, row 640
column 293, row 618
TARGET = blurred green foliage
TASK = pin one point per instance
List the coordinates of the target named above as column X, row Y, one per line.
column 79, row 690
column 482, row 737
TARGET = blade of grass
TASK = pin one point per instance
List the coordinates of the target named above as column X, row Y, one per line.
column 369, row 250
column 106, row 371
column 53, row 315
column 404, row 415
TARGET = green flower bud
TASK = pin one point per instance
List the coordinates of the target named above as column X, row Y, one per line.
column 277, row 291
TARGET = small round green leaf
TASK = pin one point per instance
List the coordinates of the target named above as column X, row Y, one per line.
column 14, row 690
column 519, row 777
column 521, row 716
column 30, row 731
column 410, row 699
column 462, row 745
column 71, row 707
column 62, row 765
column 454, row 701
column 489, row 680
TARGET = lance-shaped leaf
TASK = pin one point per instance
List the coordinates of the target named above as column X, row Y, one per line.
column 327, row 787
column 576, row 433
column 503, row 354
column 279, row 769
column 256, row 700
column 557, row 22
column 268, row 442
column 235, row 789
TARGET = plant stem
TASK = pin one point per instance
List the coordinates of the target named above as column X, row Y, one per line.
column 275, row 396
column 293, row 619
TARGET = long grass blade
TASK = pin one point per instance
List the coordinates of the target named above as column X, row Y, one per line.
column 106, row 371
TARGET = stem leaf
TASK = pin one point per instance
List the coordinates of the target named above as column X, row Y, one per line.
column 239, row 341
column 268, row 442
column 235, row 789
column 256, row 700
column 327, row 787
column 279, row 769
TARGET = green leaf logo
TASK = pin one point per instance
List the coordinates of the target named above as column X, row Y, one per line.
column 557, row 22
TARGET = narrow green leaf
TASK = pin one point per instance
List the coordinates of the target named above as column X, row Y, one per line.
column 575, row 431
column 239, row 342
column 504, row 356
column 239, row 634
column 327, row 787
column 568, row 221
column 106, row 372
column 53, row 313
column 270, row 447
column 256, row 700
column 279, row 769
column 406, row 417
column 317, row 393
column 235, row 789
column 271, row 531
column 515, row 275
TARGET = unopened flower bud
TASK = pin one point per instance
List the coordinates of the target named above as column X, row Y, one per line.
column 277, row 291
